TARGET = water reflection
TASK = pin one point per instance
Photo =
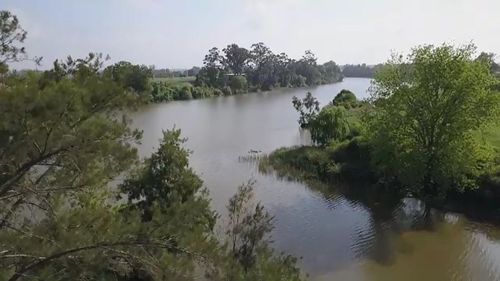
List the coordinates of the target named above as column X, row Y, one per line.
column 382, row 238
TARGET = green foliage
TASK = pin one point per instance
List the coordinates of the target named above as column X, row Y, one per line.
column 212, row 74
column 184, row 92
column 226, row 90
column 11, row 35
column 330, row 73
column 308, row 108
column 308, row 68
column 164, row 179
column 248, row 227
column 175, row 80
column 263, row 69
column 238, row 84
column 345, row 98
column 247, row 244
column 64, row 142
column 165, row 91
column 235, row 59
column 331, row 124
column 298, row 81
column 360, row 70
column 489, row 59
column 347, row 160
column 134, row 77
column 62, row 145
column 429, row 107
column 204, row 92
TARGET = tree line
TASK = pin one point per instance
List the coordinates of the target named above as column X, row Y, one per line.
column 360, row 70
column 234, row 70
column 65, row 139
column 258, row 68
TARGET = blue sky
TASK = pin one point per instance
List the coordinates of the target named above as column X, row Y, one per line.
column 178, row 34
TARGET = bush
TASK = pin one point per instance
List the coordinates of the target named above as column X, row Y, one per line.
column 161, row 92
column 346, row 99
column 183, row 93
column 238, row 84
column 298, row 81
column 330, row 124
column 217, row 92
column 227, row 91
column 339, row 161
column 202, row 92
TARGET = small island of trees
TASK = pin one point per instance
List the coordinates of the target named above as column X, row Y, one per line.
column 427, row 131
column 236, row 70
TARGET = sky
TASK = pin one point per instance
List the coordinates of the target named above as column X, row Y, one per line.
column 178, row 33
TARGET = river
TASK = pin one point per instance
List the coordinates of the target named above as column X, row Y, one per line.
column 337, row 236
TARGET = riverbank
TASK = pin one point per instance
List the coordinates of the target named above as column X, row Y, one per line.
column 348, row 164
column 165, row 91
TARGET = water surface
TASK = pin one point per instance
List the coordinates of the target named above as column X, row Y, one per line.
column 339, row 236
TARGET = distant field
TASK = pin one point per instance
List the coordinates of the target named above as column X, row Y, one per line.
column 176, row 80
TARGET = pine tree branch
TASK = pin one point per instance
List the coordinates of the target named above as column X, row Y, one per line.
column 45, row 260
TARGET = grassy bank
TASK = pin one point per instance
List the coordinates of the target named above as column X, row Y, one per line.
column 347, row 164
column 183, row 88
column 348, row 160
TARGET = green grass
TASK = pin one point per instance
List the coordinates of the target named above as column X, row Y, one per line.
column 175, row 80
column 339, row 161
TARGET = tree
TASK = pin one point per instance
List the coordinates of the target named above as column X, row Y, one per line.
column 283, row 64
column 134, row 77
column 265, row 69
column 346, row 99
column 330, row 124
column 308, row 108
column 331, row 72
column 58, row 216
column 235, row 59
column 212, row 73
column 489, row 59
column 248, row 243
column 248, row 226
column 307, row 67
column 11, row 36
column 193, row 71
column 360, row 70
column 430, row 107
column 238, row 84
column 164, row 179
column 64, row 139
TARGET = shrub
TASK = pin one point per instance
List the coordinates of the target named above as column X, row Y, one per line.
column 299, row 81
column 238, row 84
column 346, row 99
column 331, row 123
column 227, row 91
column 183, row 93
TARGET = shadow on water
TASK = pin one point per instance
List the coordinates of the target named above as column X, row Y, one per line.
column 395, row 227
